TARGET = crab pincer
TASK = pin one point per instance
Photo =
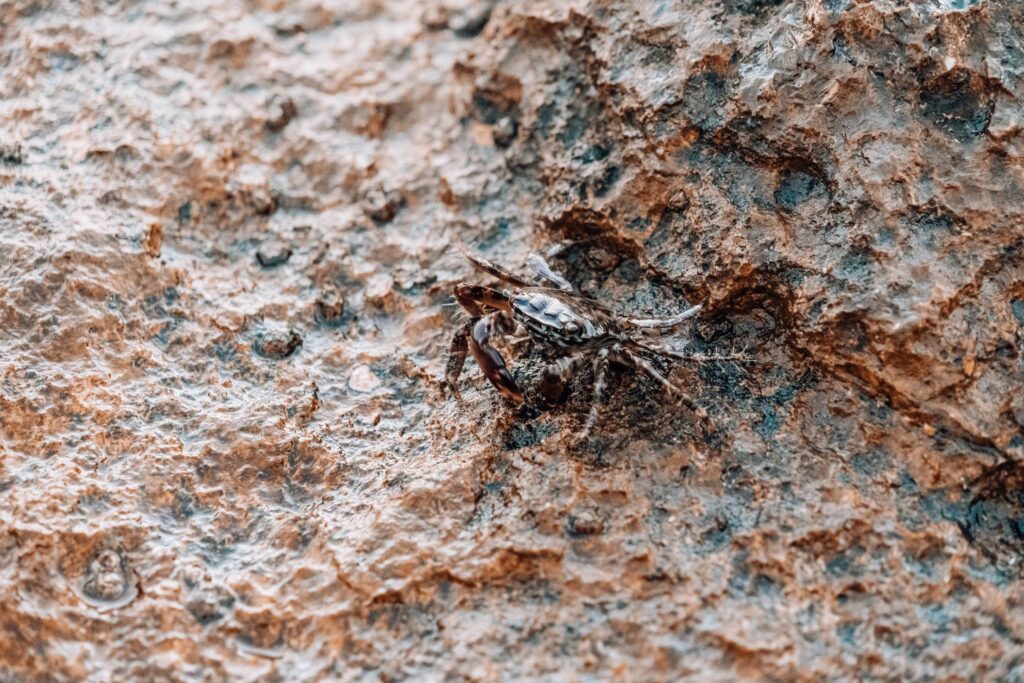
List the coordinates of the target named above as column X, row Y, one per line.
column 491, row 362
column 475, row 336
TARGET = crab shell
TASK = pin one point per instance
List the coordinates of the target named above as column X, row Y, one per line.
column 558, row 320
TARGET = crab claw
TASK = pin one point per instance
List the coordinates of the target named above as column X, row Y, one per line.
column 491, row 362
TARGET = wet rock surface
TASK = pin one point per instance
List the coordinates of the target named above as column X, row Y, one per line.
column 216, row 465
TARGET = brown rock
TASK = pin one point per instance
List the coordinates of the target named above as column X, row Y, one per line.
column 836, row 181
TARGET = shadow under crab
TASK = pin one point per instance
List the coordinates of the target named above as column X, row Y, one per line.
column 571, row 327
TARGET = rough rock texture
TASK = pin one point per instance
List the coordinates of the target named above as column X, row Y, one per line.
column 225, row 260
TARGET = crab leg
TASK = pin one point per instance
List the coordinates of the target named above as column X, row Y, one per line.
column 495, row 270
column 640, row 362
column 476, row 335
column 678, row 354
column 457, row 357
column 664, row 323
column 490, row 361
column 557, row 375
column 600, row 378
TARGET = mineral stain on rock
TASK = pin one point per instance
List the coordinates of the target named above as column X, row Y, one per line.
column 230, row 459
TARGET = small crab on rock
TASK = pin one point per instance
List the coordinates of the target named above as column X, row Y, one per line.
column 571, row 326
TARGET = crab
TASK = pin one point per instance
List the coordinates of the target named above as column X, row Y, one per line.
column 573, row 327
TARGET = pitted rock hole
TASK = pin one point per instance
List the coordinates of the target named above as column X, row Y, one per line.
column 262, row 632
column 273, row 253
column 757, row 7
column 497, row 105
column 994, row 521
column 799, row 187
column 329, row 308
column 958, row 103
column 704, row 99
column 752, row 318
column 1017, row 306
column 277, row 344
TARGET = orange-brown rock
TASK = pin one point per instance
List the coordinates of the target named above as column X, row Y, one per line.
column 226, row 259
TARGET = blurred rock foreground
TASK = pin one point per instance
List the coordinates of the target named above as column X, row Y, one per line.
column 225, row 270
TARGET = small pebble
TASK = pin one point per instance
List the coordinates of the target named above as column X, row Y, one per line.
column 154, row 240
column 12, row 154
column 106, row 576
column 276, row 345
column 585, row 524
column 204, row 610
column 362, row 379
column 383, row 205
column 471, row 21
column 435, row 18
column 602, row 260
column 330, row 307
column 379, row 289
column 273, row 253
column 680, row 201
column 504, row 131
column 280, row 112
column 208, row 603
column 262, row 200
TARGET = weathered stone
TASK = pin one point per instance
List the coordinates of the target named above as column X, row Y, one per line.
column 837, row 182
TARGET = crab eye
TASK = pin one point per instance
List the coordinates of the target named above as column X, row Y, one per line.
column 572, row 328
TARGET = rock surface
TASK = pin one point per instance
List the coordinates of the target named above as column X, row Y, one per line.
column 839, row 181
